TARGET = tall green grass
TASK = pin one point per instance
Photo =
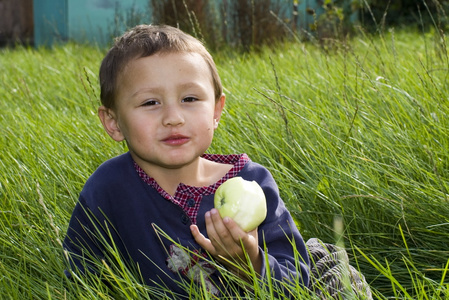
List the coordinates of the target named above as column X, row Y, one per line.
column 358, row 132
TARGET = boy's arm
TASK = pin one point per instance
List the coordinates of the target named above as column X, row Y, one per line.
column 286, row 254
column 81, row 244
column 284, row 250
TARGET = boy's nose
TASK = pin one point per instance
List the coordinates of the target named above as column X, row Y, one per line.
column 172, row 116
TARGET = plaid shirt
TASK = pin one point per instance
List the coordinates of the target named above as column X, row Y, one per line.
column 189, row 197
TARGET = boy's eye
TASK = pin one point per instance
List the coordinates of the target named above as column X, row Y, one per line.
column 189, row 99
column 150, row 102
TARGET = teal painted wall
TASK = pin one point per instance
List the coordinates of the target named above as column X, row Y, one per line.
column 85, row 21
column 99, row 21
column 50, row 21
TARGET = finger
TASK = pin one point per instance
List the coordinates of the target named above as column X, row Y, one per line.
column 215, row 228
column 247, row 241
column 253, row 233
column 210, row 227
column 222, row 239
column 225, row 235
column 216, row 232
column 204, row 242
column 234, row 230
column 219, row 226
column 251, row 245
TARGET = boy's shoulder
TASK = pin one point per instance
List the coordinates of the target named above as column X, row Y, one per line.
column 255, row 170
column 111, row 186
column 112, row 171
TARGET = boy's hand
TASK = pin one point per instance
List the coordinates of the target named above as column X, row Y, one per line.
column 225, row 242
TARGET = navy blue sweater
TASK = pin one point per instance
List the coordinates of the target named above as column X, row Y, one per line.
column 117, row 205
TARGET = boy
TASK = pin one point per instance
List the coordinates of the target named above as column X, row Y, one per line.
column 161, row 94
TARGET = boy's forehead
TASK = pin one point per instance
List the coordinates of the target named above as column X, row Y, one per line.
column 162, row 57
column 184, row 62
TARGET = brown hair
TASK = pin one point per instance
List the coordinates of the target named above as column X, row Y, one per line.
column 143, row 41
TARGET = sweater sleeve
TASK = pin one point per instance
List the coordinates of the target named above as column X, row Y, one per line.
column 90, row 233
column 81, row 244
column 285, row 256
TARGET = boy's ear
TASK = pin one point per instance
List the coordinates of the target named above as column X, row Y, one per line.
column 219, row 106
column 109, row 120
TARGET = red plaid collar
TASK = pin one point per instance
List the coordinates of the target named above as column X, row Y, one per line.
column 189, row 197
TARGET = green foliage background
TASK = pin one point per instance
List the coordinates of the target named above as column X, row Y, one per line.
column 357, row 131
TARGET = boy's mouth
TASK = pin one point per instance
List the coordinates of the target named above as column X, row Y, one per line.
column 175, row 140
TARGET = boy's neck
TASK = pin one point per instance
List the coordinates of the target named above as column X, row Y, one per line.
column 199, row 173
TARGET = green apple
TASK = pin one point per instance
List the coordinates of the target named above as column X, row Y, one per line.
column 243, row 201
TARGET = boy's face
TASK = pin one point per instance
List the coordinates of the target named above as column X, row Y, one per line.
column 165, row 109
